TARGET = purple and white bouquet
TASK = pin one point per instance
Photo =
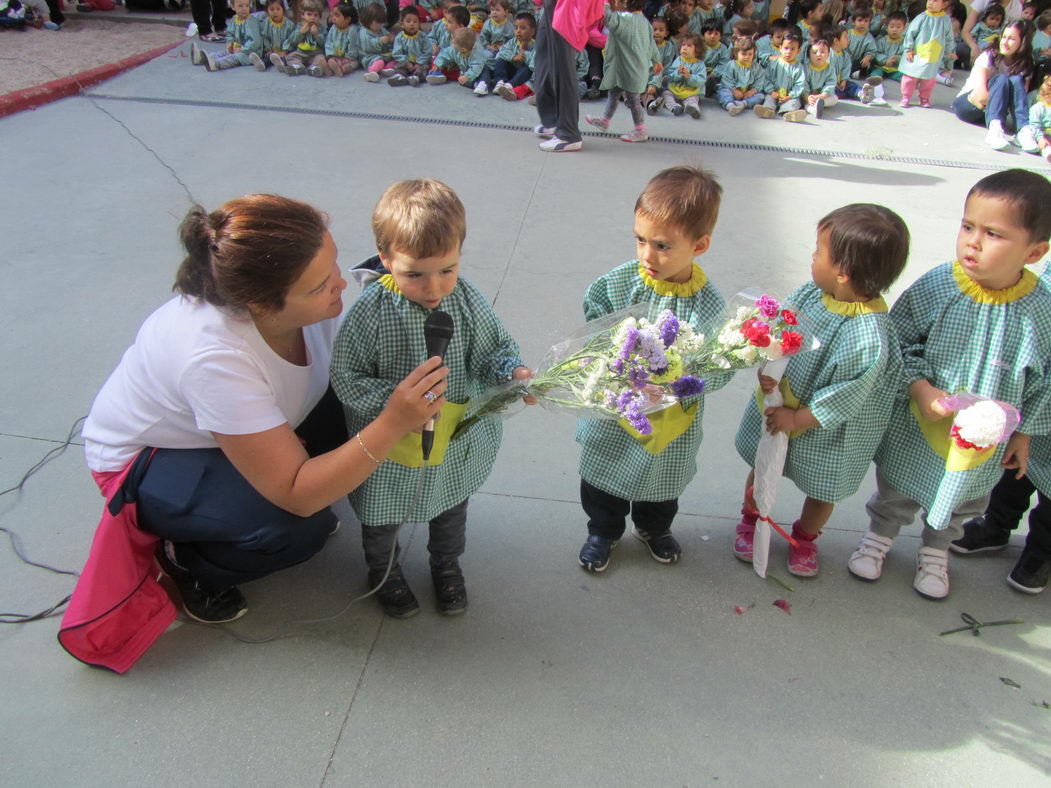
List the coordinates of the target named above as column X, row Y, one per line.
column 621, row 366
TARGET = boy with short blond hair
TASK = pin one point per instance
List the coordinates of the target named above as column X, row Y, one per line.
column 980, row 324
column 419, row 228
column 622, row 471
column 463, row 57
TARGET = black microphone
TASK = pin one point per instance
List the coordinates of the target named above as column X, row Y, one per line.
column 437, row 331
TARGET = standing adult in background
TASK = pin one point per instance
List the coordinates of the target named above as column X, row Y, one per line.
column 561, row 35
column 210, row 17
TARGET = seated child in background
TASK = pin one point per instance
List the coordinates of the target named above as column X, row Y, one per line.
column 927, row 38
column 621, row 471
column 1030, row 10
column 630, row 52
column 238, row 42
column 860, row 44
column 441, row 33
column 890, row 48
column 819, row 91
column 839, row 397
column 512, row 69
column 877, row 25
column 411, row 52
column 761, row 15
column 306, row 44
column 988, row 29
column 769, row 46
column 499, row 28
column 736, row 10
column 742, row 28
column 341, row 42
column 419, row 228
column 1042, row 37
column 841, row 64
column 785, row 81
column 715, row 55
column 980, row 324
column 686, row 78
column 269, row 35
column 375, row 43
column 702, row 13
column 668, row 52
column 1040, row 122
column 743, row 82
column 462, row 56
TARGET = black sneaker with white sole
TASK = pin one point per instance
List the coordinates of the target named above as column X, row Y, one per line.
column 979, row 536
column 450, row 591
column 394, row 596
column 1030, row 574
column 594, row 555
column 208, row 607
column 663, row 547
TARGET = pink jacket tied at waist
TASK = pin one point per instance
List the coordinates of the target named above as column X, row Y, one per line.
column 118, row 608
column 574, row 18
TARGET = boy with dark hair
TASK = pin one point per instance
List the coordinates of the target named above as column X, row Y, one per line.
column 980, row 324
column 785, row 82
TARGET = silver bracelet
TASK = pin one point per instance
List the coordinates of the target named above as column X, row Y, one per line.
column 365, row 449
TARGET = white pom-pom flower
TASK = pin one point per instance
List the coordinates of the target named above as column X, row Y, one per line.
column 982, row 423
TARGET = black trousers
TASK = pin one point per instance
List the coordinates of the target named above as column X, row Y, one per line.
column 225, row 533
column 607, row 513
column 1008, row 503
column 447, row 539
column 209, row 15
column 555, row 80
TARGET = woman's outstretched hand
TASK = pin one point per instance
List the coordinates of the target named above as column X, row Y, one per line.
column 420, row 396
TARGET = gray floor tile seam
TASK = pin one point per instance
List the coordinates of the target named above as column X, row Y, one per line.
column 518, row 234
column 816, row 153
column 40, row 438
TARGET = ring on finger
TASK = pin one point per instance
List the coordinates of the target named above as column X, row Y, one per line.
column 430, row 396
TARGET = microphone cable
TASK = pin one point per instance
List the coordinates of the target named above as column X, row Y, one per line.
column 283, row 633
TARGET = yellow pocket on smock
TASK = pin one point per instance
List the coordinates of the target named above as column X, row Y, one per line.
column 668, row 424
column 791, row 402
column 938, row 438
column 409, row 450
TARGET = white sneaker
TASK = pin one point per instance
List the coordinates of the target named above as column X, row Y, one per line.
column 1047, row 154
column 1027, row 140
column 996, row 139
column 544, row 131
column 944, row 79
column 735, row 108
column 932, row 573
column 481, row 89
column 867, row 561
column 196, row 54
column 555, row 145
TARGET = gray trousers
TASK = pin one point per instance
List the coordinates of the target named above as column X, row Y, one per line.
column 448, row 539
column 631, row 100
column 555, row 80
column 889, row 510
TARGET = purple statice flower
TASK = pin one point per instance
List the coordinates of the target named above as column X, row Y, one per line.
column 632, row 411
column 768, row 307
column 652, row 351
column 617, row 365
column 610, row 399
column 669, row 327
column 687, row 386
column 623, row 400
column 638, row 375
column 631, row 337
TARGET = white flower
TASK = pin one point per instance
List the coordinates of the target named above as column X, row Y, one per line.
column 772, row 352
column 982, row 423
column 730, row 337
column 622, row 330
column 721, row 362
column 747, row 354
column 743, row 313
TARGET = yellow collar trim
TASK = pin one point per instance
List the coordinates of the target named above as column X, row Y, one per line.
column 853, row 308
column 818, row 68
column 388, row 282
column 896, row 40
column 935, row 13
column 275, row 24
column 689, row 60
column 984, row 295
column 698, row 279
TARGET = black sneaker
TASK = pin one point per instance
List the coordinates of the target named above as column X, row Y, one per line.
column 395, row 596
column 663, row 547
column 980, row 537
column 594, row 555
column 208, row 607
column 449, row 589
column 1030, row 574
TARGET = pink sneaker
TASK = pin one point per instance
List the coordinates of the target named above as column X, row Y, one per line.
column 926, row 104
column 903, row 103
column 802, row 560
column 598, row 121
column 745, row 536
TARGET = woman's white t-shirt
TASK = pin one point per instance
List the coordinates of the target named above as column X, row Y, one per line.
column 975, row 78
column 194, row 370
column 1012, row 8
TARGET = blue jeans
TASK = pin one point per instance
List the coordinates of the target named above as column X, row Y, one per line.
column 726, row 96
column 1007, row 97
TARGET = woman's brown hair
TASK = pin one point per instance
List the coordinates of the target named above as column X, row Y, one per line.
column 247, row 254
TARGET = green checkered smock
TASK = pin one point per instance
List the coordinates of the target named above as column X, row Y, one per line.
column 962, row 337
column 1039, row 470
column 849, row 383
column 610, row 458
column 380, row 342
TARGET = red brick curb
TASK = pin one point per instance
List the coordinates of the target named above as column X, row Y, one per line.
column 31, row 98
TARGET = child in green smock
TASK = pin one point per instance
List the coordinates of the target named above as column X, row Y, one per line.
column 982, row 324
